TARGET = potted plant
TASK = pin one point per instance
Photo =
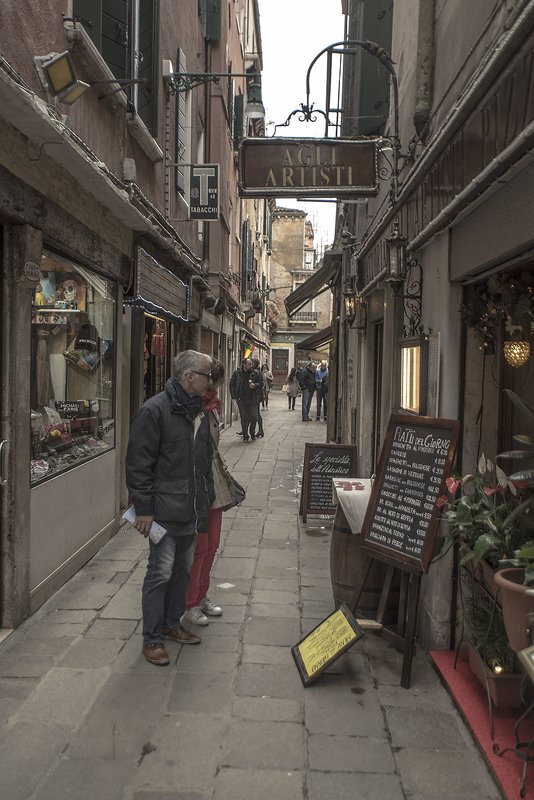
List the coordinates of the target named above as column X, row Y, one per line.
column 516, row 574
column 479, row 512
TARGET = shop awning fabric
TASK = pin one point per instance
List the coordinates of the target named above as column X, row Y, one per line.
column 317, row 339
column 316, row 284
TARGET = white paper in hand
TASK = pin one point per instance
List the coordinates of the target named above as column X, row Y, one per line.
column 157, row 531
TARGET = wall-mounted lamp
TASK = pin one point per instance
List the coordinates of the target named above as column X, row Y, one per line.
column 350, row 305
column 56, row 73
column 414, row 368
column 254, row 108
column 405, row 276
column 396, row 262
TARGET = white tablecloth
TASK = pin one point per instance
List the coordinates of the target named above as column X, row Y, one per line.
column 353, row 496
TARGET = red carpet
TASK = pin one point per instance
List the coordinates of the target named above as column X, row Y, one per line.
column 471, row 699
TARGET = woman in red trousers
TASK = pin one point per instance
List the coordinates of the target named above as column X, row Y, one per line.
column 199, row 606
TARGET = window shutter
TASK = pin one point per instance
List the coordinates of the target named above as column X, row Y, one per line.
column 115, row 36
column 238, row 119
column 230, row 102
column 209, row 12
column 180, row 123
column 148, row 68
column 89, row 13
column 246, row 260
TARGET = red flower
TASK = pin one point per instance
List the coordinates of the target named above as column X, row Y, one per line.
column 443, row 499
column 489, row 490
column 519, row 484
column 452, row 485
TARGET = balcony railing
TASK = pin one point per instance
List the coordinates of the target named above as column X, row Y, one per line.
column 306, row 317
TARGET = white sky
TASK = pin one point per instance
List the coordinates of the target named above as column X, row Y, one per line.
column 293, row 32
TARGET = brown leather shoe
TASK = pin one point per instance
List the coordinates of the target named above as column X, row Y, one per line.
column 155, row 653
column 180, row 635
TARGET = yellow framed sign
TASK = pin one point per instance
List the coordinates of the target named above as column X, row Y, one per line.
column 326, row 642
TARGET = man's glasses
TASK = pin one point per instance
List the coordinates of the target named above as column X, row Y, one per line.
column 206, row 374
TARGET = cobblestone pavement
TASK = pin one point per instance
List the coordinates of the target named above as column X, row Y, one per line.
column 84, row 716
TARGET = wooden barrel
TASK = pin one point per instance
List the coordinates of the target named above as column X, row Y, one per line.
column 348, row 566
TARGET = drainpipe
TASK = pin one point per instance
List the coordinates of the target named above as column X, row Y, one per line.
column 424, row 71
column 207, row 155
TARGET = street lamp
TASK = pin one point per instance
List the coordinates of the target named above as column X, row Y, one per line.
column 57, row 74
column 396, row 261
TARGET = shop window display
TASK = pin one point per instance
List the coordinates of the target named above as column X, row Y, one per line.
column 73, row 325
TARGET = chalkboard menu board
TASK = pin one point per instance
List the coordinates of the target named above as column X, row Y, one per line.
column 322, row 462
column 402, row 517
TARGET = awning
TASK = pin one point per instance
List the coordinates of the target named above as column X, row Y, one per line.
column 318, row 338
column 316, row 284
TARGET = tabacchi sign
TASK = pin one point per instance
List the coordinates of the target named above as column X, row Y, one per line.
column 308, row 167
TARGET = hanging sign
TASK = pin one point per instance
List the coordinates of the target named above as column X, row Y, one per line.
column 308, row 167
column 204, row 191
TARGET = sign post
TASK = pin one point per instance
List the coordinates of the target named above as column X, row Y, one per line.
column 402, row 518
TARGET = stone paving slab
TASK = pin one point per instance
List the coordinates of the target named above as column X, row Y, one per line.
column 86, row 779
column 268, row 709
column 244, row 784
column 265, row 745
column 27, row 749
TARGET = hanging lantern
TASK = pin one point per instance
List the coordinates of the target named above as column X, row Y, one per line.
column 516, row 353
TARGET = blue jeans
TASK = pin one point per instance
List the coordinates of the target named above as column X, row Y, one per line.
column 321, row 395
column 306, row 403
column 165, row 584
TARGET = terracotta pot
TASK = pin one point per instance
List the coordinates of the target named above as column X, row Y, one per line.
column 505, row 687
column 517, row 604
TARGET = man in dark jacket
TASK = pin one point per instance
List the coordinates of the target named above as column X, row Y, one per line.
column 169, row 477
column 245, row 384
column 306, row 379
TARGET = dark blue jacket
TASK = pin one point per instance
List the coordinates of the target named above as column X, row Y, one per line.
column 168, row 469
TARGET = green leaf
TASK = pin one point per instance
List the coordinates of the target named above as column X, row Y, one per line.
column 524, row 476
column 518, row 403
column 516, row 454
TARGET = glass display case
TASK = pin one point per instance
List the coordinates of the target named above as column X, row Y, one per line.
column 72, row 367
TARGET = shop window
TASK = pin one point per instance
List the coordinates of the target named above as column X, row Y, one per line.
column 157, row 360
column 72, row 375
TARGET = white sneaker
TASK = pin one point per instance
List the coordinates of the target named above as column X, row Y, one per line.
column 209, row 607
column 195, row 616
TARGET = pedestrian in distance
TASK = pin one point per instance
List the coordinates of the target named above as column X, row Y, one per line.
column 169, row 477
column 321, row 395
column 259, row 394
column 245, row 384
column 306, row 379
column 293, row 389
column 198, row 605
column 268, row 382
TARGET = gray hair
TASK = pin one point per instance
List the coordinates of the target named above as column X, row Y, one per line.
column 189, row 360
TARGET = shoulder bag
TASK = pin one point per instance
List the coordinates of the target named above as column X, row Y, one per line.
column 228, row 492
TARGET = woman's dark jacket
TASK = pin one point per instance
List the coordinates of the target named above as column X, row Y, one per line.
column 168, row 469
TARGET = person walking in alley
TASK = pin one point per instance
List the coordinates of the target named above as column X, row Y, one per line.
column 198, row 605
column 259, row 394
column 306, row 379
column 245, row 384
column 169, row 477
column 320, row 374
column 292, row 389
column 268, row 381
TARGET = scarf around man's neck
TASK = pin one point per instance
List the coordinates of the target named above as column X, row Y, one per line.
column 192, row 405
